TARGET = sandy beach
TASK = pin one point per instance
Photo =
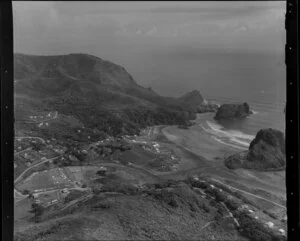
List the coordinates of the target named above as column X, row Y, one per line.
column 201, row 154
column 199, row 141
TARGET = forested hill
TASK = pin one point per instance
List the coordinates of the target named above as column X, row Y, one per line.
column 99, row 93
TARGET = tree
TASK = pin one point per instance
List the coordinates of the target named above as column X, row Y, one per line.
column 37, row 209
column 30, row 196
column 101, row 172
column 25, row 192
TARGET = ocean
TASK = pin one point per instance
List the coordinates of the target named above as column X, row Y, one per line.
column 222, row 76
column 258, row 78
column 239, row 133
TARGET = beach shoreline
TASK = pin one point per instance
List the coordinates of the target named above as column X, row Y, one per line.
column 198, row 158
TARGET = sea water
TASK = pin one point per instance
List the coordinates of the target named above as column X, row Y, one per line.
column 255, row 77
column 240, row 132
column 259, row 80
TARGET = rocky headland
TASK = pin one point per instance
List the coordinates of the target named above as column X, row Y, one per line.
column 196, row 101
column 266, row 152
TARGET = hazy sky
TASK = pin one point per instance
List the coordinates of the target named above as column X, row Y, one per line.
column 174, row 47
column 62, row 27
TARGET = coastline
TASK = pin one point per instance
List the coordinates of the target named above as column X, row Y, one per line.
column 199, row 141
column 196, row 160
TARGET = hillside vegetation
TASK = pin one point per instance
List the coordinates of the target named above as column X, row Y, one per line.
column 98, row 93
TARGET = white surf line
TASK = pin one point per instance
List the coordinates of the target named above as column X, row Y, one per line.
column 227, row 144
column 251, row 194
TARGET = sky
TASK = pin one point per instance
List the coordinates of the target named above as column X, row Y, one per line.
column 48, row 27
column 155, row 41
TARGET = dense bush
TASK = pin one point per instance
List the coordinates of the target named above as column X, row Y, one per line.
column 272, row 215
column 38, row 210
column 112, row 183
column 220, row 196
column 256, row 231
column 74, row 194
column 126, row 121
column 169, row 198
column 205, row 207
column 198, row 184
column 232, row 204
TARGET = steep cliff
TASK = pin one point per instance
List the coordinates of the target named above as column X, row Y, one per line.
column 266, row 152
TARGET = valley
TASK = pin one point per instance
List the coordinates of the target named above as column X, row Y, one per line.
column 62, row 188
column 99, row 157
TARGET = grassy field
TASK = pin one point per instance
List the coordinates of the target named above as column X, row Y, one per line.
column 54, row 178
column 49, row 196
column 75, row 173
column 82, row 173
column 21, row 209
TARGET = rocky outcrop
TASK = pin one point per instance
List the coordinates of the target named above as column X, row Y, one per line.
column 266, row 152
column 231, row 111
column 207, row 107
column 193, row 98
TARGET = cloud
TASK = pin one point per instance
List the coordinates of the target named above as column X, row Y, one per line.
column 241, row 29
column 105, row 23
column 152, row 31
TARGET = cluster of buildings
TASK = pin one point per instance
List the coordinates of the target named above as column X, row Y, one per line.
column 43, row 117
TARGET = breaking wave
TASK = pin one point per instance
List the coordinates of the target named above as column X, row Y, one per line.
column 228, row 144
column 233, row 138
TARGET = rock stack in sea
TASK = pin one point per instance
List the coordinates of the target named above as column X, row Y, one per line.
column 232, row 111
column 266, row 152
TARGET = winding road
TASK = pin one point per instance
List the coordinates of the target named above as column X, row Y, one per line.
column 27, row 149
column 248, row 193
column 30, row 137
column 33, row 166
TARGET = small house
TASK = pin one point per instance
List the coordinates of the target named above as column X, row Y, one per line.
column 270, row 224
column 102, row 171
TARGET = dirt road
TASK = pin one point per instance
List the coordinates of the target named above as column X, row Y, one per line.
column 248, row 193
column 33, row 166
